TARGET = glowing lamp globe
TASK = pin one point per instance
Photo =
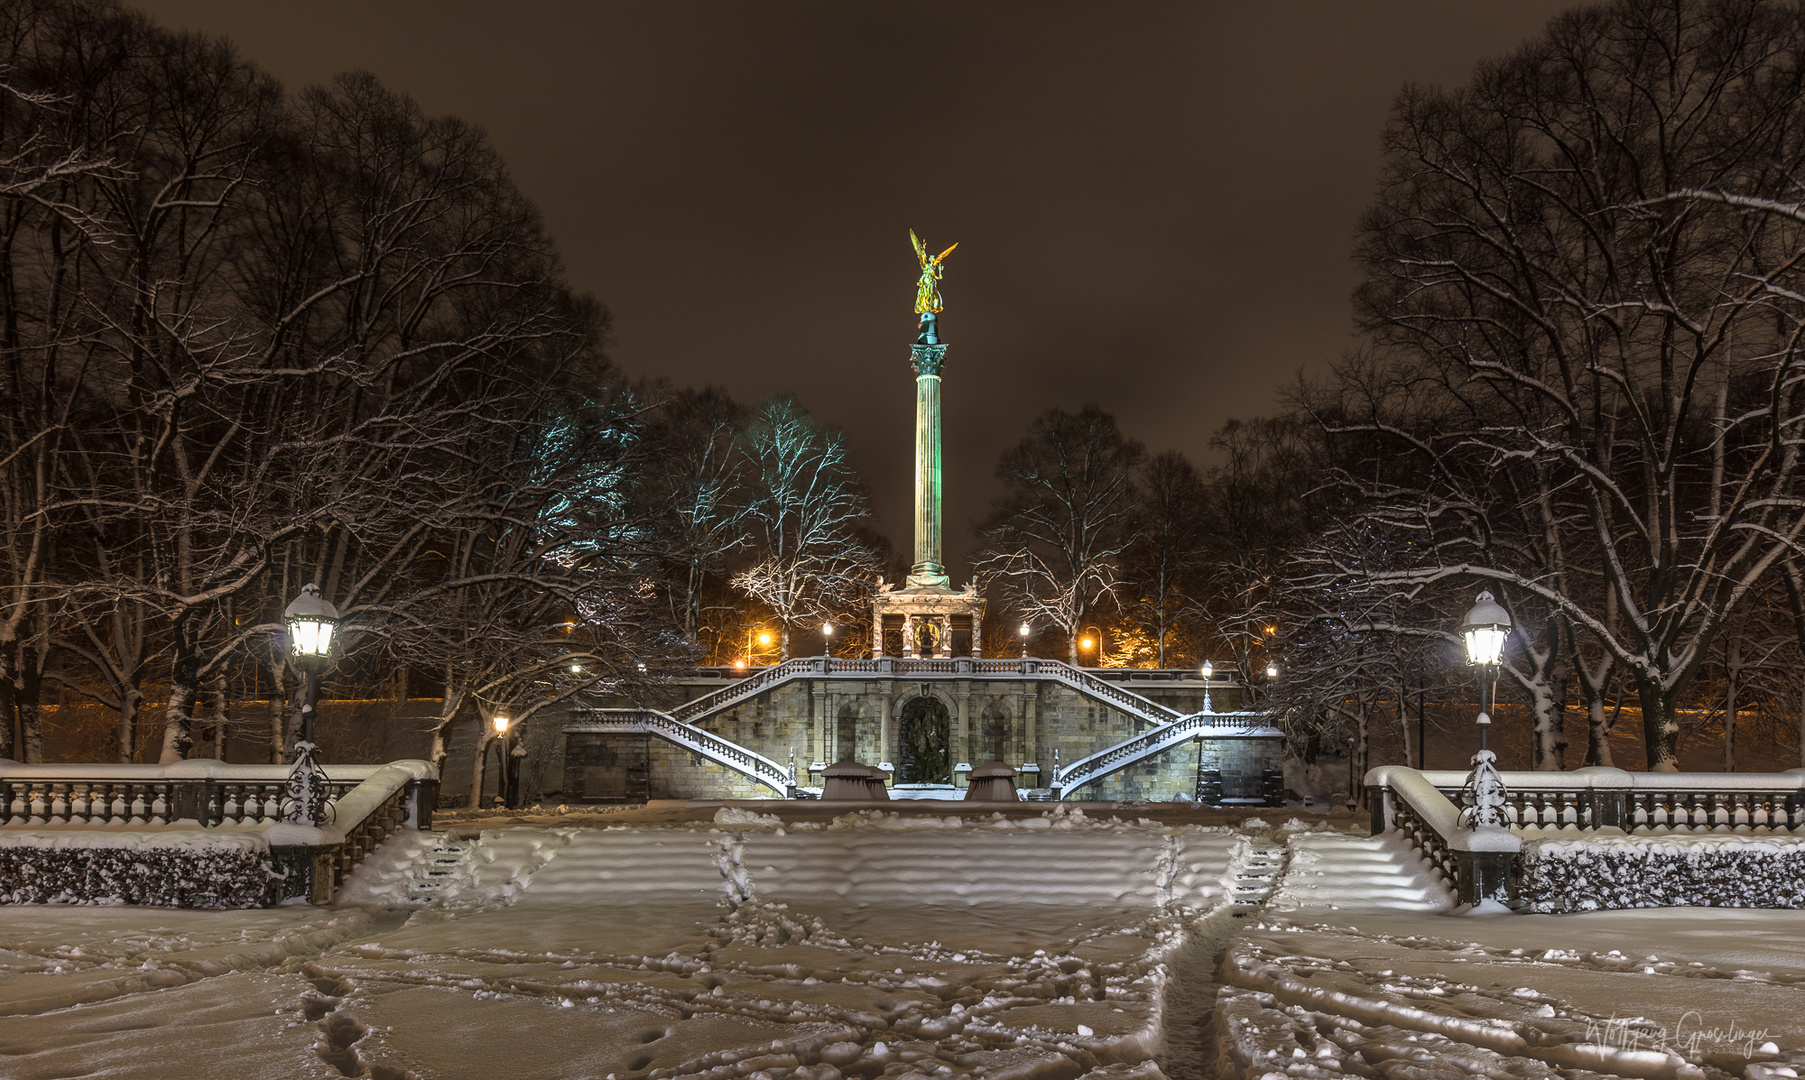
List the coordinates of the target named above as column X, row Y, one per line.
column 1272, row 671
column 1024, row 630
column 311, row 620
column 1209, row 669
column 1485, row 628
column 501, row 724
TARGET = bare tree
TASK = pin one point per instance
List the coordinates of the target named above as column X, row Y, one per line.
column 1054, row 540
column 1162, row 570
column 1598, row 245
column 694, row 489
column 804, row 504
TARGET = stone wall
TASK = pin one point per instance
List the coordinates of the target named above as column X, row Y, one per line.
column 1022, row 721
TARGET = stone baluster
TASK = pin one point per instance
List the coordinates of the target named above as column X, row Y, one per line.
column 59, row 804
column 40, row 803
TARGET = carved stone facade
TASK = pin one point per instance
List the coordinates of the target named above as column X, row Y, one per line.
column 1028, row 722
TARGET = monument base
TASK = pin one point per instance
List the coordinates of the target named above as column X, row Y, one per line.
column 929, row 575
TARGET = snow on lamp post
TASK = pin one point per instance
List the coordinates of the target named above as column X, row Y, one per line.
column 311, row 620
column 1486, row 626
column 500, row 722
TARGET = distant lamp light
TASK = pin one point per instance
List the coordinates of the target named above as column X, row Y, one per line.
column 1085, row 644
column 1024, row 630
column 501, row 724
column 311, row 619
column 827, row 629
column 1272, row 671
column 576, row 669
column 739, row 663
column 1209, row 669
column 764, row 639
column 1485, row 628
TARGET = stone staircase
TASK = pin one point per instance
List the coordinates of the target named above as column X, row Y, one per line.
column 1336, row 871
column 1256, row 873
column 448, row 864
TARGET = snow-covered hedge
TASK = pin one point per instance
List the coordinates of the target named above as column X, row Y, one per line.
column 1674, row 871
column 162, row 870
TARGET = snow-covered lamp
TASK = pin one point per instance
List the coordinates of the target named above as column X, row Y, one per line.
column 1485, row 628
column 311, row 619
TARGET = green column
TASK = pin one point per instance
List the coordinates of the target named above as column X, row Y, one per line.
column 928, row 569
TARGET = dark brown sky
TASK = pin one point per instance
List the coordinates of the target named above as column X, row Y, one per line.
column 1153, row 202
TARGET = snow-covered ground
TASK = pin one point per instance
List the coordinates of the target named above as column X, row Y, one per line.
column 881, row 945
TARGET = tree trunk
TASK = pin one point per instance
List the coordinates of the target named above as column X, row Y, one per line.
column 1598, row 732
column 1732, row 677
column 1660, row 727
column 783, row 639
column 478, row 765
column 131, row 703
column 449, row 712
column 31, row 728
column 219, row 710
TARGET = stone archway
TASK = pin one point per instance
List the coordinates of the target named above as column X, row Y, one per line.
column 923, row 741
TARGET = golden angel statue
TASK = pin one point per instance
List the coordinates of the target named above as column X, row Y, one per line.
column 927, row 290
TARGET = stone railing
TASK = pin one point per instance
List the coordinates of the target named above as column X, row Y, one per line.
column 1604, row 798
column 209, row 793
column 242, row 802
column 1103, row 690
column 1479, row 863
column 724, row 752
column 319, row 858
column 1145, row 745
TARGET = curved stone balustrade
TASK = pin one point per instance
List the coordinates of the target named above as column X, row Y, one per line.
column 1108, row 693
column 1125, row 753
column 748, row 763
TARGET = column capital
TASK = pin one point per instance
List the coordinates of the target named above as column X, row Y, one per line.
column 927, row 359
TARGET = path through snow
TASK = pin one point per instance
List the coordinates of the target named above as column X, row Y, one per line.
column 882, row 946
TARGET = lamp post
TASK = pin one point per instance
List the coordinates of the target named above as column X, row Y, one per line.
column 1024, row 632
column 501, row 754
column 311, row 620
column 1092, row 641
column 827, row 639
column 1484, row 630
column 1209, row 669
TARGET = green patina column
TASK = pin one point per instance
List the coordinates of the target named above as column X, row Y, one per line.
column 928, row 355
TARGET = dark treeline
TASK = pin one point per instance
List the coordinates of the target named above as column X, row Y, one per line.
column 254, row 339
column 1579, row 387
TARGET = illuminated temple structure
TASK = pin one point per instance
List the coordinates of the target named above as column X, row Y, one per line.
column 923, row 705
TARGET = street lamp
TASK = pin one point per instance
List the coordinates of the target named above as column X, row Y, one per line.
column 827, row 639
column 1092, row 642
column 501, row 753
column 311, row 620
column 1024, row 632
column 1209, row 669
column 1484, row 629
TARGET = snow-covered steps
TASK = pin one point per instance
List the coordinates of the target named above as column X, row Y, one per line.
column 1335, row 871
column 1256, row 872
column 446, row 867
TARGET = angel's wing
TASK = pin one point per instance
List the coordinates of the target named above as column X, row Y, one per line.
column 944, row 254
column 921, row 252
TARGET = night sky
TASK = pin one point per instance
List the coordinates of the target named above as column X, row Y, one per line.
column 1154, row 203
